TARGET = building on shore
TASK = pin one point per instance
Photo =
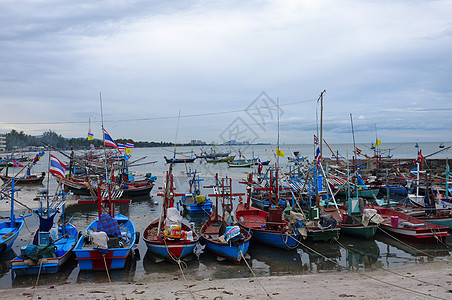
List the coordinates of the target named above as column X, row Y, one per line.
column 2, row 142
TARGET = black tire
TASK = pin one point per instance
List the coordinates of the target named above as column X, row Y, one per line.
column 137, row 237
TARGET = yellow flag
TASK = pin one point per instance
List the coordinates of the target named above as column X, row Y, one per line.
column 90, row 136
column 377, row 142
column 128, row 150
column 280, row 152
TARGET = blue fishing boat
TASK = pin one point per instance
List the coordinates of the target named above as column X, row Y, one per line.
column 52, row 244
column 94, row 251
column 229, row 242
column 193, row 202
column 49, row 255
column 107, row 241
column 9, row 230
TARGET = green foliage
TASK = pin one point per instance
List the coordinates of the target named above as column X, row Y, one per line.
column 20, row 140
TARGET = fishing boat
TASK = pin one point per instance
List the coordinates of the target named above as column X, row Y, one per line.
column 108, row 240
column 26, row 179
column 223, row 238
column 240, row 164
column 52, row 244
column 441, row 217
column 194, row 202
column 167, row 237
column 267, row 227
column 220, row 159
column 9, row 230
column 174, row 160
column 411, row 228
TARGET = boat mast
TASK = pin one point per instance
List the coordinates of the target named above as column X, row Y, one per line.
column 105, row 160
column 321, row 120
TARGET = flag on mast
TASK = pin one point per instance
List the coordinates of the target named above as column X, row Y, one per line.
column 109, row 140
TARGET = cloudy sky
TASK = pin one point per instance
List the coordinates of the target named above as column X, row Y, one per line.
column 224, row 66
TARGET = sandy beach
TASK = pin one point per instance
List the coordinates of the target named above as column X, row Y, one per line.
column 424, row 281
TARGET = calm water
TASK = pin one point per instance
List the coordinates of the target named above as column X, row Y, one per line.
column 352, row 253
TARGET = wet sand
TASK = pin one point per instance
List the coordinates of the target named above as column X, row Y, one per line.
column 423, row 281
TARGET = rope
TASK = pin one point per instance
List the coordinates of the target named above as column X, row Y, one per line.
column 179, row 263
column 37, row 279
column 381, row 268
column 254, row 274
column 106, row 268
column 368, row 276
column 437, row 238
column 415, row 249
column 108, row 275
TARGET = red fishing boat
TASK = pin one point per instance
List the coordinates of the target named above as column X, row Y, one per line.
column 411, row 228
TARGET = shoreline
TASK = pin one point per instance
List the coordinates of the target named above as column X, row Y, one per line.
column 424, row 281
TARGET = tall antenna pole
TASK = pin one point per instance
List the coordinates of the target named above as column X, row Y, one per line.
column 277, row 156
column 353, row 134
column 105, row 151
column 321, row 121
column 177, row 131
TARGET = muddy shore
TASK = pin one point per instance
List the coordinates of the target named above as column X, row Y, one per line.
column 425, row 281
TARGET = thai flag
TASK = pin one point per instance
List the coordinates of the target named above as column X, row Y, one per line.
column 121, row 146
column 317, row 156
column 420, row 157
column 108, row 140
column 130, row 145
column 260, row 166
column 358, row 151
column 57, row 168
column 316, row 140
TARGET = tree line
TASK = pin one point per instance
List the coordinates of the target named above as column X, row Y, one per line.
column 20, row 140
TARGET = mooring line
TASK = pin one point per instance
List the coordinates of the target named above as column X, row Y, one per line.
column 254, row 274
column 387, row 270
column 408, row 245
column 368, row 276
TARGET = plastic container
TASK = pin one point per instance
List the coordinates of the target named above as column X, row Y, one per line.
column 394, row 221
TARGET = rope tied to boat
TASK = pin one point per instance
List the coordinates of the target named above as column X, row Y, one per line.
column 108, row 275
column 368, row 276
column 179, row 263
column 254, row 274
column 37, row 279
column 387, row 270
column 408, row 245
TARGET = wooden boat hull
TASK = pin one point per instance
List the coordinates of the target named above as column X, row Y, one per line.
column 115, row 258
column 168, row 249
column 64, row 247
column 217, row 160
column 317, row 234
column 254, row 219
column 232, row 164
column 179, row 160
column 210, row 235
column 134, row 190
column 411, row 228
column 9, row 234
column 23, row 180
column 359, row 230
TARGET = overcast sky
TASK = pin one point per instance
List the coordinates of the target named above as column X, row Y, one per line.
column 224, row 66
